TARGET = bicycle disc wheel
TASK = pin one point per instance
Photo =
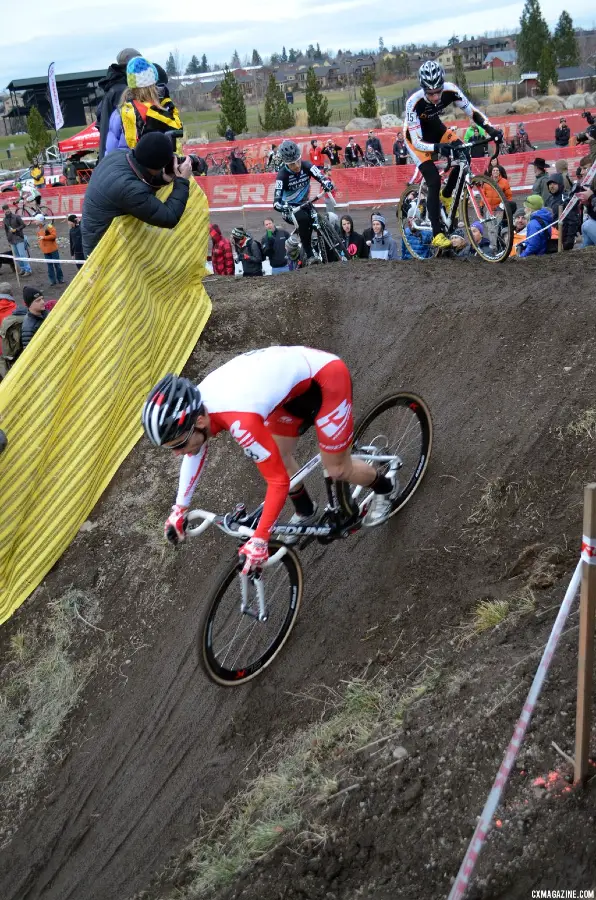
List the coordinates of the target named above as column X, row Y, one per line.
column 409, row 208
column 496, row 219
column 397, row 425
column 236, row 646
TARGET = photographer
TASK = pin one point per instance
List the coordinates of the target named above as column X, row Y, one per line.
column 124, row 184
column 587, row 198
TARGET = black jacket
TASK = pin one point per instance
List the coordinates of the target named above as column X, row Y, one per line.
column 251, row 257
column 375, row 143
column 562, row 136
column 118, row 187
column 353, row 244
column 274, row 247
column 11, row 220
column 113, row 87
column 30, row 325
column 76, row 242
column 237, row 166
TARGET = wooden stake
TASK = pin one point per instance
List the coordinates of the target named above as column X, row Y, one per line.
column 585, row 665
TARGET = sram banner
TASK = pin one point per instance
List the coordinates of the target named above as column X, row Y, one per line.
column 360, row 187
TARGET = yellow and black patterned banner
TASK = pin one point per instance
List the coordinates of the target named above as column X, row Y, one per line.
column 71, row 405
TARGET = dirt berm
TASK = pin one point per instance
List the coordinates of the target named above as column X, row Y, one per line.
column 504, row 356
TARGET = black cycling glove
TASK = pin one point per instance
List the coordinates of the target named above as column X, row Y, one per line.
column 495, row 133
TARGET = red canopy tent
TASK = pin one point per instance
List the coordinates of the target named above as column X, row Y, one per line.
column 87, row 139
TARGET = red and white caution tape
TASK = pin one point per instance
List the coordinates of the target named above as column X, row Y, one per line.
column 589, row 550
column 478, row 838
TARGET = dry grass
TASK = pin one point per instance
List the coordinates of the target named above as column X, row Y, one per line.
column 500, row 93
column 301, row 118
column 494, row 497
column 298, row 775
column 40, row 686
column 583, row 428
column 490, row 614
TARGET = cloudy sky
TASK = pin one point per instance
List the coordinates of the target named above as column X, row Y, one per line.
column 89, row 37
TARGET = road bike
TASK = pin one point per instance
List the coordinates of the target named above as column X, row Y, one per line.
column 217, row 165
column 326, row 244
column 248, row 618
column 30, row 209
column 470, row 203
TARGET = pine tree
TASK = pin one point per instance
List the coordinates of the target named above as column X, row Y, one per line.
column 381, row 45
column 284, row 55
column 235, row 63
column 459, row 75
column 367, row 108
column 256, row 58
column 233, row 108
column 317, row 54
column 194, row 66
column 547, row 68
column 317, row 106
column 204, row 64
column 292, row 55
column 532, row 38
column 277, row 115
column 39, row 137
column 171, row 65
column 310, row 52
column 565, row 41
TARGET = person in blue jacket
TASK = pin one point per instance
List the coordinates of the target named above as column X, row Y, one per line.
column 538, row 218
column 420, row 240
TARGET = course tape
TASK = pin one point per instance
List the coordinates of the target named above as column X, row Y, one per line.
column 589, row 550
column 71, row 405
column 482, row 828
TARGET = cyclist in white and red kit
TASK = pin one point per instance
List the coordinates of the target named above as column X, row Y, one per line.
column 265, row 399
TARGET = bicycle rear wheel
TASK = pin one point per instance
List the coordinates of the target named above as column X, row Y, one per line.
column 410, row 210
column 235, row 646
column 400, row 425
column 495, row 218
column 329, row 244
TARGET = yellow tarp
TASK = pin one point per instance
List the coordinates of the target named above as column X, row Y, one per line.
column 71, row 405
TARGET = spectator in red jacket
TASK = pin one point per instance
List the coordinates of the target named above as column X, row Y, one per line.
column 222, row 258
column 316, row 155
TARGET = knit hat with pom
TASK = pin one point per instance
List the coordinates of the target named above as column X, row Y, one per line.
column 140, row 73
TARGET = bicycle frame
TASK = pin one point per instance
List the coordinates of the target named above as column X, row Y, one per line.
column 316, row 221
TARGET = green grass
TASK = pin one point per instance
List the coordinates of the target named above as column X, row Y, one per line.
column 18, row 159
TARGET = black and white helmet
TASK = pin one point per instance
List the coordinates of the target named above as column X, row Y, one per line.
column 288, row 152
column 171, row 409
column 431, row 76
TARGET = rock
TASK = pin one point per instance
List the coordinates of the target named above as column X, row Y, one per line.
column 88, row 526
column 591, row 99
column 499, row 109
column 400, row 753
column 362, row 124
column 576, row 101
column 551, row 103
column 326, row 129
column 391, row 121
column 526, row 105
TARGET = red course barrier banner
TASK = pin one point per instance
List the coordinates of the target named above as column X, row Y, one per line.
column 358, row 187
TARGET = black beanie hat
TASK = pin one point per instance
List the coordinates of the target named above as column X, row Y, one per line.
column 30, row 294
column 154, row 150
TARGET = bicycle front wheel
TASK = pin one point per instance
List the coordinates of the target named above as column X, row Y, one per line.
column 478, row 205
column 235, row 646
column 397, row 425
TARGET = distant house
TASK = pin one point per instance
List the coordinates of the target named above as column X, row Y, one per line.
column 474, row 51
column 570, row 80
column 500, row 59
column 446, row 58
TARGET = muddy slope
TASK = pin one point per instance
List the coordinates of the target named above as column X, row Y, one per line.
column 504, row 357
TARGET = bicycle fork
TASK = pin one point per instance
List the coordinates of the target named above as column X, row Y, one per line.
column 260, row 589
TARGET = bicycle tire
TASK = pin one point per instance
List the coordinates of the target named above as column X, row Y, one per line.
column 504, row 235
column 230, row 676
column 330, row 242
column 408, row 195
column 47, row 212
column 419, row 408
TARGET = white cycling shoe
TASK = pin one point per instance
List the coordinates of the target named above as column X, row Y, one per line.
column 297, row 519
column 380, row 506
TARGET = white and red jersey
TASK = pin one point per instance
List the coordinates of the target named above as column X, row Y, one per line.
column 244, row 397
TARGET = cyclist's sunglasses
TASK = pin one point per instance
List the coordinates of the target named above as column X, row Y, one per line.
column 181, row 444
